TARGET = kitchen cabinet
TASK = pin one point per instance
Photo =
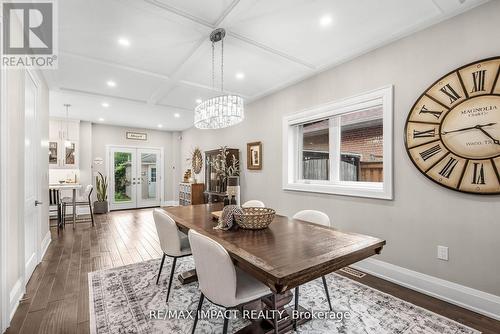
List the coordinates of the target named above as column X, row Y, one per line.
column 63, row 143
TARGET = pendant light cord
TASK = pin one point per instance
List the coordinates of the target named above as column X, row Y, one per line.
column 213, row 65
column 222, row 67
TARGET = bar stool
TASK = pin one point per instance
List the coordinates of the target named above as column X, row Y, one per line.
column 85, row 200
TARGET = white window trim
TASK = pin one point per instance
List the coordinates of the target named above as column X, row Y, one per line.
column 381, row 190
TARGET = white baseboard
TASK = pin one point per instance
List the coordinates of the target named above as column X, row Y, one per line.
column 468, row 298
column 15, row 296
column 45, row 244
column 170, row 203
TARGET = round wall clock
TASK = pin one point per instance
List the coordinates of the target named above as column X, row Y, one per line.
column 452, row 132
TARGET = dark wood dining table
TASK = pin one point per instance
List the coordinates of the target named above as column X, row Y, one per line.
column 285, row 255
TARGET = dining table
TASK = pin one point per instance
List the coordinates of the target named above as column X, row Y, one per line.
column 68, row 186
column 285, row 255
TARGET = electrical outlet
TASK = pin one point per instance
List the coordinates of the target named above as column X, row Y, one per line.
column 442, row 253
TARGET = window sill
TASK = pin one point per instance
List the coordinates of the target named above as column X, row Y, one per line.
column 355, row 189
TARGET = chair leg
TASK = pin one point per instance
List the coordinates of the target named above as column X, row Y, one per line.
column 91, row 213
column 171, row 277
column 161, row 267
column 326, row 292
column 224, row 328
column 296, row 307
column 200, row 304
column 64, row 215
column 275, row 318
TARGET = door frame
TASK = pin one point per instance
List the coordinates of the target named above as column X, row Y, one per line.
column 4, row 296
column 107, row 166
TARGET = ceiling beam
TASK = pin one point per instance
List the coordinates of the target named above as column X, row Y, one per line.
column 119, row 98
column 221, row 20
column 164, row 90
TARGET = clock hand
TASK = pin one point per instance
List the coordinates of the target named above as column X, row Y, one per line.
column 496, row 141
column 479, row 126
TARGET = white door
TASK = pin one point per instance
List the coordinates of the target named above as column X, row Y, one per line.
column 135, row 176
column 31, row 214
column 147, row 180
column 122, row 181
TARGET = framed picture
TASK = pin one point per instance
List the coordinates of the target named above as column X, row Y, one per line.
column 254, row 155
column 137, row 135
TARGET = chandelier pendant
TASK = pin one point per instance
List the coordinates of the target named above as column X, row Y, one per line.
column 220, row 111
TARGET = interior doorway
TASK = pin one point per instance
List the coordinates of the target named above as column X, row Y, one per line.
column 135, row 176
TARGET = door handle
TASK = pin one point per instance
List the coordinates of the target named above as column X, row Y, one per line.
column 37, row 203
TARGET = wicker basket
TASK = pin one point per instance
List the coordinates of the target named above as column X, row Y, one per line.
column 255, row 218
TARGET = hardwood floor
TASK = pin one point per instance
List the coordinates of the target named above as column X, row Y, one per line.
column 56, row 299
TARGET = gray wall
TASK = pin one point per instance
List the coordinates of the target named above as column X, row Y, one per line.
column 103, row 135
column 423, row 214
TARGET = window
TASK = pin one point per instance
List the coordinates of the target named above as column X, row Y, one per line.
column 341, row 148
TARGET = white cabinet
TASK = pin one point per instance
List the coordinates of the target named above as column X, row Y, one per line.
column 63, row 143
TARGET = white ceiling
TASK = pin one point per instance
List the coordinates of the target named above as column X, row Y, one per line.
column 168, row 63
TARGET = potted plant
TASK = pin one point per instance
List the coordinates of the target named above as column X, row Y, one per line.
column 101, row 184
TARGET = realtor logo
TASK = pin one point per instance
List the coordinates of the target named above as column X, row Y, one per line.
column 29, row 34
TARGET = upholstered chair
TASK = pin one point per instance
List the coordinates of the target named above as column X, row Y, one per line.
column 219, row 280
column 316, row 217
column 173, row 242
column 254, row 204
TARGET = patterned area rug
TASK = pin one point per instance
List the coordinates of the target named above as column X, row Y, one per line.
column 127, row 300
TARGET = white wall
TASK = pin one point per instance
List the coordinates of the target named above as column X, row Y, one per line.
column 423, row 214
column 12, row 199
column 103, row 135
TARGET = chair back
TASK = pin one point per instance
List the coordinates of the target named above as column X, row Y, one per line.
column 253, row 204
column 313, row 216
column 215, row 270
column 54, row 197
column 167, row 233
column 88, row 192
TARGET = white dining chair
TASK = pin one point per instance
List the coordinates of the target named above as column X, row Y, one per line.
column 317, row 217
column 220, row 281
column 253, row 204
column 173, row 242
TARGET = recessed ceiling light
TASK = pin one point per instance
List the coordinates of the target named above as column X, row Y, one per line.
column 111, row 83
column 123, row 41
column 105, row 104
column 198, row 101
column 325, row 20
column 177, row 115
column 101, row 119
column 160, row 126
column 240, row 75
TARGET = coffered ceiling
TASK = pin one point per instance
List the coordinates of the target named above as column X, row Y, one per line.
column 158, row 55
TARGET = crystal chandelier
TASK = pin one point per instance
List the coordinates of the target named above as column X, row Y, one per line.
column 220, row 111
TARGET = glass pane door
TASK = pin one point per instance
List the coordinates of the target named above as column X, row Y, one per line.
column 53, row 154
column 123, row 178
column 148, row 183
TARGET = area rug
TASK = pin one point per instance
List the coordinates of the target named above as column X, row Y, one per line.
column 127, row 300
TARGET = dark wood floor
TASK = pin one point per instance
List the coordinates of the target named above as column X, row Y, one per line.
column 57, row 294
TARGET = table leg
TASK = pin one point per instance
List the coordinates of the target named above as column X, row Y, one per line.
column 188, row 277
column 74, row 207
column 267, row 326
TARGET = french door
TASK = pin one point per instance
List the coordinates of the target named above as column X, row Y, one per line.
column 135, row 177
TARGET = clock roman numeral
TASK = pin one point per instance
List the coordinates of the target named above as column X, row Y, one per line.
column 430, row 152
column 478, row 175
column 434, row 113
column 448, row 168
column 425, row 133
column 450, row 92
column 478, row 78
